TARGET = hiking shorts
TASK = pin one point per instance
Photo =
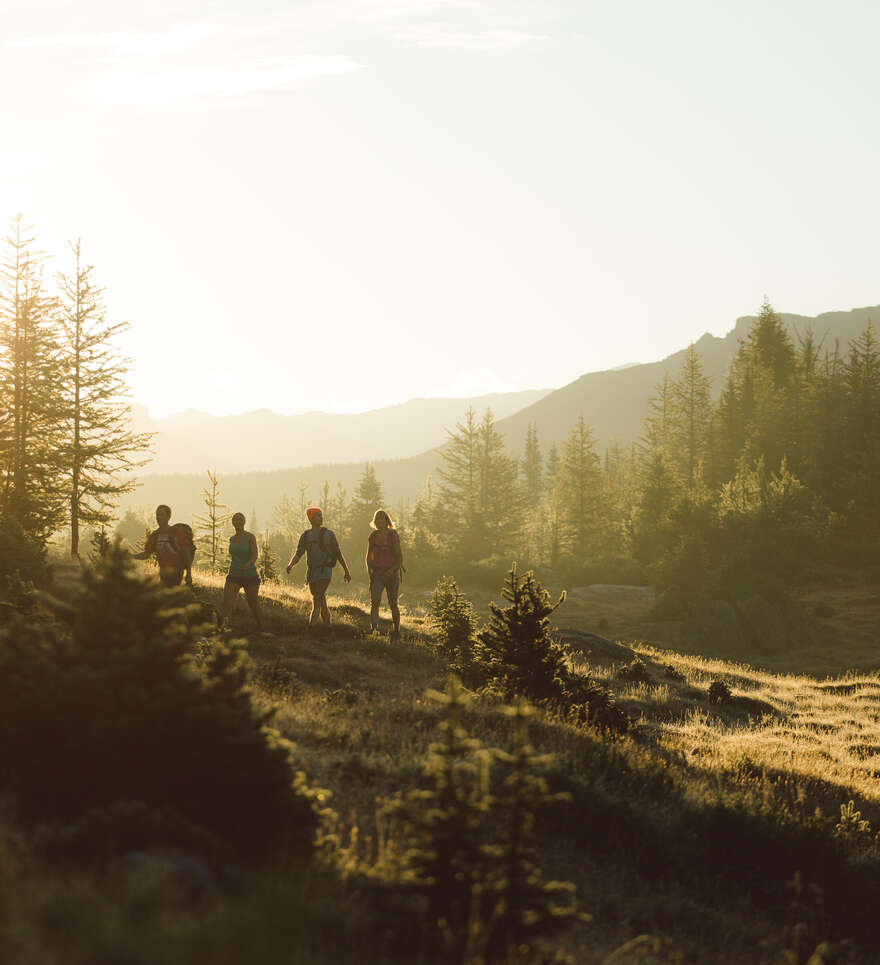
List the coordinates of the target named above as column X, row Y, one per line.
column 389, row 582
column 245, row 579
column 170, row 576
column 318, row 588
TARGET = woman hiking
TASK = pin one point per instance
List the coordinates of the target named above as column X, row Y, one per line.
column 173, row 548
column 322, row 549
column 384, row 559
column 243, row 554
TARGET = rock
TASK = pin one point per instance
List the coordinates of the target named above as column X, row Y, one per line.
column 716, row 621
column 593, row 645
column 615, row 593
column 764, row 623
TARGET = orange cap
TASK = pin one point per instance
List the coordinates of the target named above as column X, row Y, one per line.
column 312, row 513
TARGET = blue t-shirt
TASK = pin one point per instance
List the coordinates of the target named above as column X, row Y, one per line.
column 320, row 552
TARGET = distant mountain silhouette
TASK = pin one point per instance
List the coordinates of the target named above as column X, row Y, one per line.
column 613, row 403
column 192, row 441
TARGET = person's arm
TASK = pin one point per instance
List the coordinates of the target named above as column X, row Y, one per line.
column 148, row 550
column 298, row 555
column 255, row 553
column 341, row 559
column 368, row 557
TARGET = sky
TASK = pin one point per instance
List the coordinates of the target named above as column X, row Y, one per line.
column 342, row 204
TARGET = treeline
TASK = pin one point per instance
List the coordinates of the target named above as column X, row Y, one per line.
column 723, row 498
column 66, row 447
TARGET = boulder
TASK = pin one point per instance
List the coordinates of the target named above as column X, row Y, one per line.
column 597, row 647
column 764, row 623
column 715, row 622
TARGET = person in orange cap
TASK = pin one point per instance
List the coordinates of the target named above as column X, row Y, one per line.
column 321, row 548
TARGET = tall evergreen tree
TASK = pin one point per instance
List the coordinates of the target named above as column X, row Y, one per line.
column 692, row 414
column 31, row 483
column 532, row 467
column 365, row 500
column 500, row 503
column 459, row 511
column 209, row 525
column 580, row 492
column 99, row 445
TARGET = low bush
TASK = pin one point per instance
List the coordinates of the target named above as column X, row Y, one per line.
column 112, row 710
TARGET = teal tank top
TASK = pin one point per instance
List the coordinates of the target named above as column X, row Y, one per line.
column 240, row 551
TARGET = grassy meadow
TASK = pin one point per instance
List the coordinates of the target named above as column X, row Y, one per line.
column 691, row 828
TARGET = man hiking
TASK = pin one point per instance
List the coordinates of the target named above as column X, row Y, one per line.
column 173, row 548
column 322, row 550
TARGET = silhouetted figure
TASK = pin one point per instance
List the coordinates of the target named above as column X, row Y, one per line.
column 173, row 548
column 322, row 550
column 242, row 573
column 384, row 560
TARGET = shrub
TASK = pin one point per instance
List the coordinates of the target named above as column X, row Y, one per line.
column 454, row 623
column 112, row 709
column 517, row 648
column 635, row 672
column 719, row 693
column 21, row 558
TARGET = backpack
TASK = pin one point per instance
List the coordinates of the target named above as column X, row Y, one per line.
column 388, row 547
column 187, row 541
column 329, row 556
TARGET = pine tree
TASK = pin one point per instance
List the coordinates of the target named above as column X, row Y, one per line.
column 580, row 493
column 455, row 624
column 500, row 498
column 532, row 467
column 691, row 417
column 31, row 462
column 526, row 906
column 517, row 648
column 267, row 562
column 442, row 825
column 99, row 445
column 209, row 525
column 459, row 519
column 365, row 500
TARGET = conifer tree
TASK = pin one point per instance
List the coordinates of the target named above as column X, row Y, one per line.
column 500, row 498
column 691, row 416
column 209, row 525
column 31, row 463
column 339, row 506
column 527, row 907
column 442, row 824
column 267, row 562
column 532, row 467
column 517, row 648
column 99, row 446
column 580, row 493
column 459, row 519
column 455, row 624
column 365, row 500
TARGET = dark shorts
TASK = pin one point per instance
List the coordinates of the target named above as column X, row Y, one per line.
column 170, row 577
column 389, row 582
column 318, row 588
column 243, row 580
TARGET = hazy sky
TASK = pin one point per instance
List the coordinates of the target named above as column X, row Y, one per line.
column 344, row 203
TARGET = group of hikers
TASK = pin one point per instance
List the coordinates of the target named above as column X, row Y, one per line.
column 172, row 546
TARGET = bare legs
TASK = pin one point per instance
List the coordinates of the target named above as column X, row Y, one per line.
column 320, row 610
column 252, row 595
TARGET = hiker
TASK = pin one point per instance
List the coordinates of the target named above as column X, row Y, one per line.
column 172, row 546
column 384, row 560
column 242, row 572
column 322, row 549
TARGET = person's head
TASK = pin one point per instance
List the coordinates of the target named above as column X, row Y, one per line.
column 238, row 521
column 315, row 516
column 381, row 520
column 163, row 514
